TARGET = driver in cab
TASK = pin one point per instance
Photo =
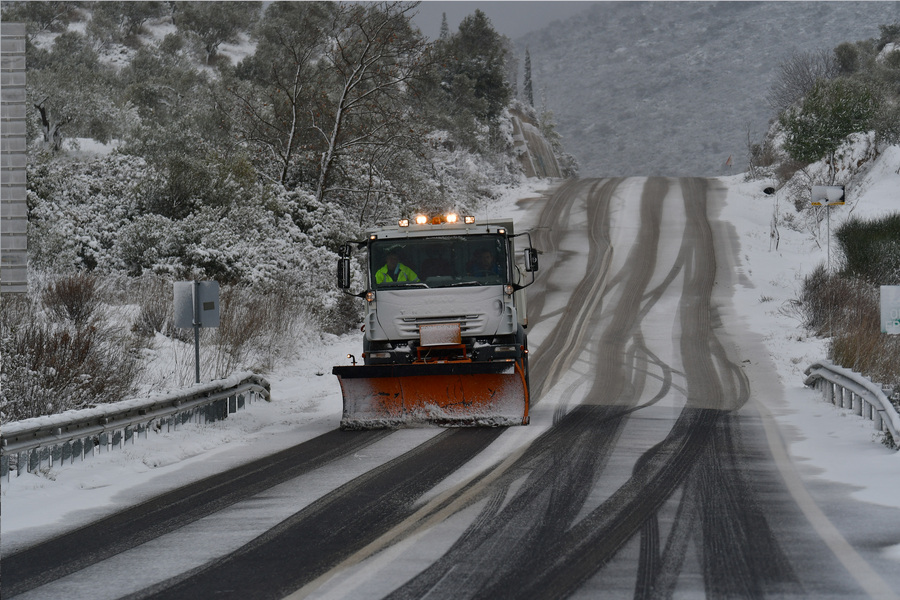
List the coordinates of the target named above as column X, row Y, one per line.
column 394, row 270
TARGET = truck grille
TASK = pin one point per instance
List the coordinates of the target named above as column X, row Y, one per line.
column 469, row 325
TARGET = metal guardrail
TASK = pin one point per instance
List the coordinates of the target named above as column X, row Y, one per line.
column 848, row 389
column 25, row 446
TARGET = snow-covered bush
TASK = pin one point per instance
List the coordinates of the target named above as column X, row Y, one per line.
column 78, row 208
column 51, row 364
column 75, row 297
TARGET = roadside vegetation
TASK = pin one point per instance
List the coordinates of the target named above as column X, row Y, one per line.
column 835, row 112
column 845, row 304
column 236, row 141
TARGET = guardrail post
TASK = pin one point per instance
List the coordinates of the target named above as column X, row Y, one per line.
column 4, row 467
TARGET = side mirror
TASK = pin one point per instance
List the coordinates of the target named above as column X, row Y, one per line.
column 531, row 259
column 343, row 273
column 343, row 267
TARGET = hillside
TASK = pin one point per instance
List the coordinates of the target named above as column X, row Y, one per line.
column 671, row 88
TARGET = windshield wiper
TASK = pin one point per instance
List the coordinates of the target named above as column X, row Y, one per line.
column 402, row 285
column 463, row 283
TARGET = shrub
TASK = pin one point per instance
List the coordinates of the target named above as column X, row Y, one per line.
column 74, row 297
column 847, row 309
column 871, row 249
column 52, row 366
column 256, row 328
column 875, row 354
column 798, row 75
column 155, row 302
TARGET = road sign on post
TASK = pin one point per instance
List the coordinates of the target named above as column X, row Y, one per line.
column 828, row 195
column 890, row 309
column 196, row 306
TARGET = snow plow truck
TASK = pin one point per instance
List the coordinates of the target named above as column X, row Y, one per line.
column 444, row 332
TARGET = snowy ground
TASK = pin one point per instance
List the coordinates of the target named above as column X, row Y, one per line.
column 829, row 443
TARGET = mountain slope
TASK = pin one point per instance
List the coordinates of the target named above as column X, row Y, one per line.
column 671, row 88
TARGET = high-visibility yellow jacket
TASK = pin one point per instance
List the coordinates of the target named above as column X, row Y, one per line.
column 401, row 273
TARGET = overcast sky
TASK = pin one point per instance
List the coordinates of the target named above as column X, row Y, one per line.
column 513, row 18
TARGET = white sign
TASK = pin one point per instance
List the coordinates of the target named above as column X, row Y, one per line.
column 196, row 304
column 890, row 309
column 827, row 195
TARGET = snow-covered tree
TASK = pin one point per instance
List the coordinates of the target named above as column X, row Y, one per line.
column 529, row 90
column 68, row 87
column 475, row 73
column 274, row 89
column 372, row 57
column 831, row 111
column 214, row 23
column 445, row 29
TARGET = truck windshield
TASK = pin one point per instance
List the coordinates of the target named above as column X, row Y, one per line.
column 444, row 261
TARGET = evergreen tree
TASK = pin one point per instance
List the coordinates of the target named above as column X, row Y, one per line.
column 445, row 29
column 474, row 75
column 529, row 91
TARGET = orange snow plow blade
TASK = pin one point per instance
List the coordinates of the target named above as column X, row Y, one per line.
column 457, row 394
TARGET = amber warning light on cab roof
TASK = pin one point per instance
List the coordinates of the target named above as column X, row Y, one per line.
column 437, row 220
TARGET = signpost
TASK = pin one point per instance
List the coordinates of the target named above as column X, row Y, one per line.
column 890, row 309
column 828, row 195
column 196, row 305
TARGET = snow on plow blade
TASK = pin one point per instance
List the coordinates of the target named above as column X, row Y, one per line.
column 462, row 394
